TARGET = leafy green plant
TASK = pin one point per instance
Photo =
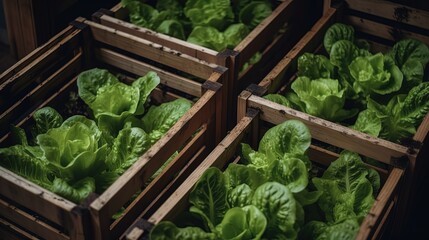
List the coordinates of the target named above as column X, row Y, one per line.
column 348, row 191
column 78, row 156
column 215, row 24
column 354, row 82
column 267, row 197
column 398, row 119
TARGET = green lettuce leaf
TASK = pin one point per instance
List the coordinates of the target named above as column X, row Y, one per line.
column 289, row 137
column 90, row 81
column 240, row 196
column 209, row 195
column 316, row 230
column 368, row 122
column 315, row 66
column 27, row 162
column 291, row 172
column 234, row 34
column 159, row 119
column 280, row 99
column 168, row 231
column 278, row 205
column 403, row 114
column 411, row 56
column 347, row 190
column 254, row 13
column 375, row 74
column 208, row 37
column 75, row 149
column 145, row 85
column 242, row 223
column 323, row 98
column 140, row 13
column 75, row 192
column 128, row 146
column 254, row 159
column 172, row 28
column 213, row 13
column 237, row 174
column 45, row 119
column 337, row 32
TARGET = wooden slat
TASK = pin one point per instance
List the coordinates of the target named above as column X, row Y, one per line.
column 127, row 184
column 32, row 223
column 308, row 43
column 422, row 130
column 160, row 185
column 28, row 194
column 8, row 231
column 45, row 89
column 140, row 68
column 392, row 11
column 266, row 30
column 385, row 218
column 30, row 73
column 34, row 54
column 182, row 46
column 382, row 30
column 217, row 158
column 153, row 51
column 331, row 133
column 381, row 203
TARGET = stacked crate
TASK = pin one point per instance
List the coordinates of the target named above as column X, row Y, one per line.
column 46, row 78
column 250, row 128
column 381, row 24
column 266, row 38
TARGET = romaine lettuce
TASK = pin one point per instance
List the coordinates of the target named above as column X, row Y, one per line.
column 76, row 156
column 213, row 13
column 323, row 98
column 375, row 74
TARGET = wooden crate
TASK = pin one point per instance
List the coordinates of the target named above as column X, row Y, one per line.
column 378, row 23
column 297, row 14
column 46, row 78
column 250, row 129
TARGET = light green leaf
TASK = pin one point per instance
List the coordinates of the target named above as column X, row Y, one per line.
column 315, row 66
column 75, row 192
column 277, row 98
column 346, row 188
column 90, row 81
column 213, row 13
column 208, row 37
column 234, row 34
column 237, row 174
column 240, row 196
column 209, row 195
column 254, row 13
column 159, row 119
column 368, row 122
column 289, row 137
column 337, row 32
column 128, row 146
column 27, row 162
column 290, row 172
column 168, row 231
column 278, row 205
column 45, row 119
column 145, row 85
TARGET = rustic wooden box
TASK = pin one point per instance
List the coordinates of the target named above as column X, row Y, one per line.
column 296, row 13
column 377, row 22
column 250, row 129
column 46, row 77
